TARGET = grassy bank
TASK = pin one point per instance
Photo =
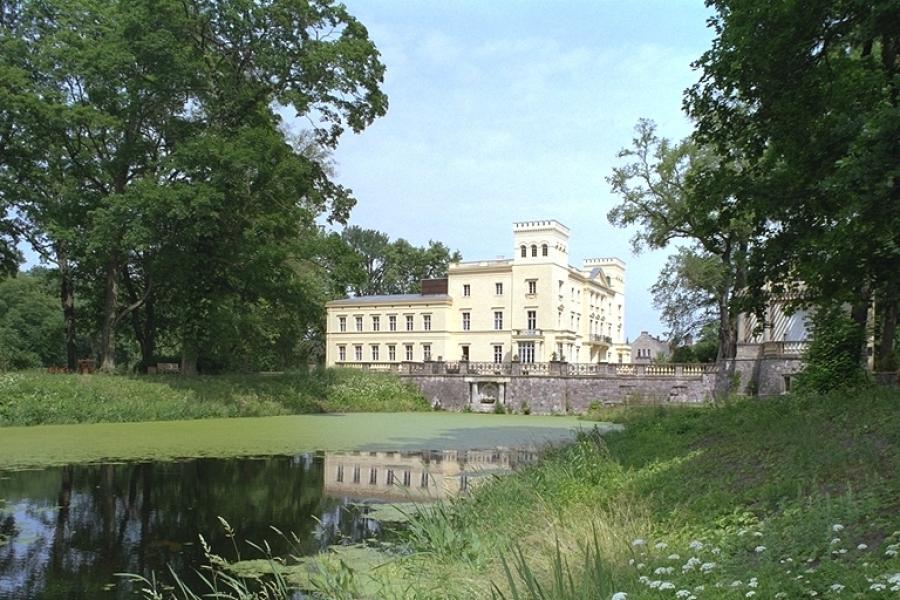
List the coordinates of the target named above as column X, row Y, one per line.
column 787, row 498
column 37, row 398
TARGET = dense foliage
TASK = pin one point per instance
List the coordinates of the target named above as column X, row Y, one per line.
column 144, row 156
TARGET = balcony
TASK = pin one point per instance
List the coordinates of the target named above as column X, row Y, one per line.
column 528, row 333
column 600, row 339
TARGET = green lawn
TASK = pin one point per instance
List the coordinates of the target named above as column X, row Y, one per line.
column 784, row 498
column 37, row 398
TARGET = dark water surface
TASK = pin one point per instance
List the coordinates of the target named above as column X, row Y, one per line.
column 65, row 531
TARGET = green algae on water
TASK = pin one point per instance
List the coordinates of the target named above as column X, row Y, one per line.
column 49, row 445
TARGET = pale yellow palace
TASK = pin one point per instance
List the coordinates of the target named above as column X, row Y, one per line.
column 535, row 307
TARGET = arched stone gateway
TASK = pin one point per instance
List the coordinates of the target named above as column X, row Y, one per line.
column 486, row 394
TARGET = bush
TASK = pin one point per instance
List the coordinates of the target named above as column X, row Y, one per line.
column 832, row 361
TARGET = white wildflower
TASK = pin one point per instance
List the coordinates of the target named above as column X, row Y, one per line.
column 757, row 534
column 842, row 551
column 667, row 585
column 663, row 570
column 877, row 587
column 654, row 585
column 631, row 562
column 717, row 551
column 684, row 594
column 640, row 566
column 837, row 588
column 754, row 582
column 690, row 564
column 696, row 545
column 759, row 549
column 895, row 578
column 638, row 542
column 619, row 596
column 862, row 547
column 750, row 594
column 661, row 546
column 835, row 541
column 736, row 583
column 781, row 595
column 707, row 567
column 699, row 588
column 674, row 557
column 837, row 527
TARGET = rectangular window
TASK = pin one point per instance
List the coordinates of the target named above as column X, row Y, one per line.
column 373, row 476
column 391, row 480
column 409, row 322
column 498, row 319
column 407, row 478
column 498, row 353
column 357, row 352
column 409, row 352
column 467, row 289
column 532, row 319
column 426, row 352
column 342, row 353
column 532, row 286
column 355, row 474
column 376, row 323
column 424, row 481
column 465, row 353
column 339, row 476
column 526, row 352
column 342, row 323
column 374, row 353
column 426, row 322
column 359, row 323
column 498, row 288
column 466, row 321
column 392, row 353
column 392, row 322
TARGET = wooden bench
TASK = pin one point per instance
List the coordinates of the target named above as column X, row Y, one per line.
column 168, row 368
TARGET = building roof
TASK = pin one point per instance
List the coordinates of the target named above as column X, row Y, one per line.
column 392, row 298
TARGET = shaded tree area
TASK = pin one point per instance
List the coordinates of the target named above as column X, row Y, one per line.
column 395, row 267
column 144, row 157
column 789, row 181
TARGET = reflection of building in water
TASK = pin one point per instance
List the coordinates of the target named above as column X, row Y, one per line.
column 415, row 476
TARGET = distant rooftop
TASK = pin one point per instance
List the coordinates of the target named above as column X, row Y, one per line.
column 539, row 225
column 396, row 298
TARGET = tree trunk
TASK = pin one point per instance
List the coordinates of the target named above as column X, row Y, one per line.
column 188, row 359
column 67, row 299
column 110, row 305
column 859, row 312
column 884, row 353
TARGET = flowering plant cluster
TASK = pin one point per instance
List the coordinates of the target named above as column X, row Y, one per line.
column 741, row 565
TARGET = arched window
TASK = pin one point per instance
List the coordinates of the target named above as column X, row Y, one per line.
column 534, row 250
column 544, row 250
column 524, row 252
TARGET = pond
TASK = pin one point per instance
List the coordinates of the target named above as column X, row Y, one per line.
column 80, row 503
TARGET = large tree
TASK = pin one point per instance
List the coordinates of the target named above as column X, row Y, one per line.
column 395, row 267
column 808, row 94
column 151, row 152
column 685, row 293
column 687, row 191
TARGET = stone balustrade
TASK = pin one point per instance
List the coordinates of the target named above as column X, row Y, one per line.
column 553, row 368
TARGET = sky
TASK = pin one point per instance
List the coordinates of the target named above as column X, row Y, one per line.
column 506, row 111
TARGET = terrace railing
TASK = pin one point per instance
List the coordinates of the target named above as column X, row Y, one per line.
column 556, row 368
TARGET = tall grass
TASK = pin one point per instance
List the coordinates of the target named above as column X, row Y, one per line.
column 729, row 501
column 35, row 398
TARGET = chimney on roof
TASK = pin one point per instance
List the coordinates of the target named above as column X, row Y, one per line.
column 434, row 286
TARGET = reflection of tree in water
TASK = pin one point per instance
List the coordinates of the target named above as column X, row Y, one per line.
column 138, row 517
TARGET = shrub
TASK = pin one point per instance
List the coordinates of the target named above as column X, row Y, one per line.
column 833, row 359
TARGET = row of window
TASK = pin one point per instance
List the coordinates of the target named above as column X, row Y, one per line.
column 375, row 352
column 392, row 323
column 390, row 478
column 523, row 250
column 530, row 286
column 408, row 352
